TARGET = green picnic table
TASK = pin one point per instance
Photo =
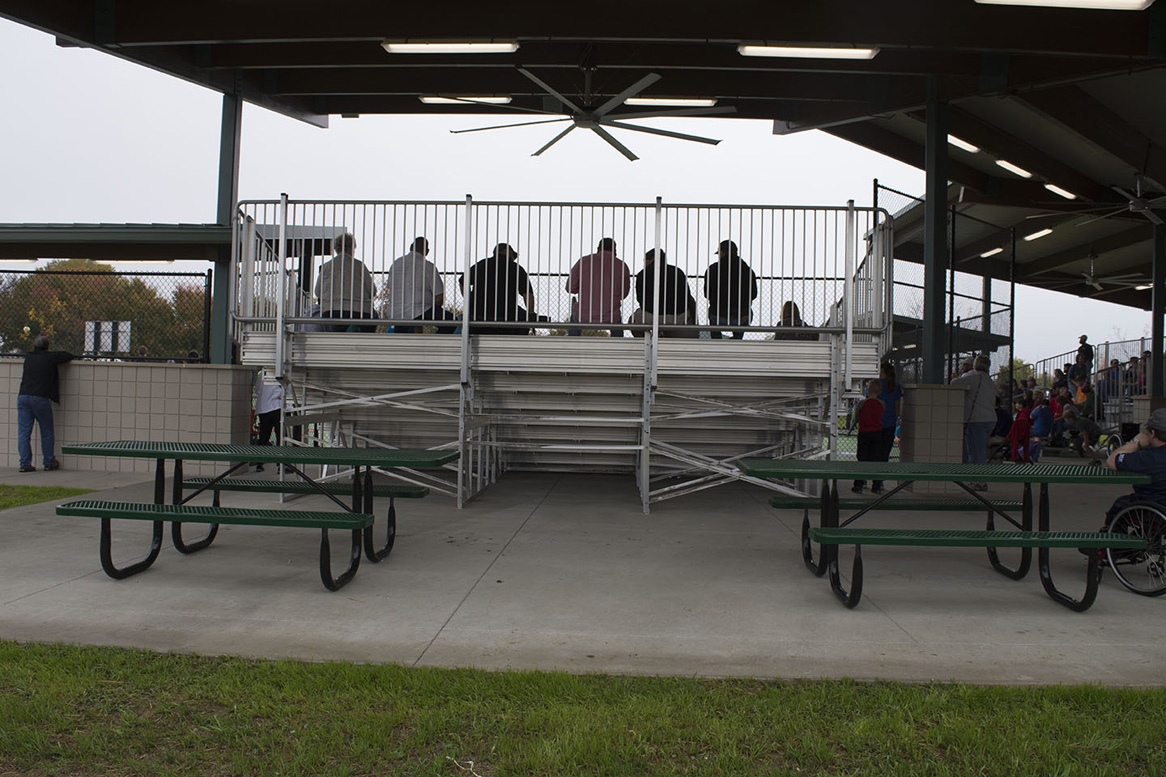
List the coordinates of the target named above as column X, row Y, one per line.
column 833, row 530
column 356, row 517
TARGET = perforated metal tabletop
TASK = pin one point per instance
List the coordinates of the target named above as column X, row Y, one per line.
column 952, row 473
column 267, row 454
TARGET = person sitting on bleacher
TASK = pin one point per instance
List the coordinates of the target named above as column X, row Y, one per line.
column 1020, row 431
column 1042, row 424
column 1088, row 432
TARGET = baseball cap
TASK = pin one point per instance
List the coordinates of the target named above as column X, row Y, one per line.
column 1157, row 420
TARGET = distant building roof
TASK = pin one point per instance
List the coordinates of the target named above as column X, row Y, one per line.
column 126, row 242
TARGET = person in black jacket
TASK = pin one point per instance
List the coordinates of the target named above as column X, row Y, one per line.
column 40, row 386
column 495, row 289
column 675, row 305
column 730, row 286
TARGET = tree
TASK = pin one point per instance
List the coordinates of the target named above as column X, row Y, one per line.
column 60, row 299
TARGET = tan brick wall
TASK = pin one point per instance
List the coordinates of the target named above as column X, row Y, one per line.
column 103, row 401
column 933, row 430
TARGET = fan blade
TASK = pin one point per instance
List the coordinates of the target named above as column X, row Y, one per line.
column 620, row 147
column 631, row 91
column 550, row 90
column 1152, row 216
column 1097, row 286
column 555, row 139
column 1069, row 212
column 506, row 126
column 1102, row 217
column 711, row 110
column 655, row 131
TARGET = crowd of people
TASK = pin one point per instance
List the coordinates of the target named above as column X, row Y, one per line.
column 498, row 290
column 1068, row 412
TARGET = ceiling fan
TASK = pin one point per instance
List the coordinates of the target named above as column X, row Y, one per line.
column 1127, row 280
column 599, row 117
column 1138, row 201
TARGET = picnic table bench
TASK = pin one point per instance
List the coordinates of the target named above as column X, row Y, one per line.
column 833, row 531
column 357, row 517
column 257, row 485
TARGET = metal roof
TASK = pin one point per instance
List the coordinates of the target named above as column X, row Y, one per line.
column 1071, row 95
column 154, row 242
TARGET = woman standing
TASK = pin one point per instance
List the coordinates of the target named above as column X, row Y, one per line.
column 891, row 396
column 979, row 411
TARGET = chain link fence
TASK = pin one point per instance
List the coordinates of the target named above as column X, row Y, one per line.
column 977, row 310
column 100, row 313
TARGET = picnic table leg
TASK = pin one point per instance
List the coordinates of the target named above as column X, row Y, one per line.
column 106, row 545
column 176, row 527
column 830, row 553
column 331, row 583
column 370, row 550
column 817, row 567
column 849, row 598
column 1092, row 571
column 1025, row 553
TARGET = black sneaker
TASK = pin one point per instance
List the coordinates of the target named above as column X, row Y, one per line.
column 54, row 464
column 27, row 468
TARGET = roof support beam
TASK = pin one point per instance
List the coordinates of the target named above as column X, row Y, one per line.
column 933, row 25
column 935, row 253
column 1075, row 109
column 1006, row 146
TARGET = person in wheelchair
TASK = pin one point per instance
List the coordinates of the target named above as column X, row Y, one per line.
column 1145, row 453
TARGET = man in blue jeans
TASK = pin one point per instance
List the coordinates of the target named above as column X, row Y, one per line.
column 40, row 386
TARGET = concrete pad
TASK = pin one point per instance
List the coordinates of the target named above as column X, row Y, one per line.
column 551, row 571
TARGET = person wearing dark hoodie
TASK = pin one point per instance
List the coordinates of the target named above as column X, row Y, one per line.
column 40, row 387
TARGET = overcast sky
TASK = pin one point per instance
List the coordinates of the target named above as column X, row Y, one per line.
column 89, row 138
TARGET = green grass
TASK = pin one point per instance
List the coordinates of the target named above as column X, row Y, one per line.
column 67, row 710
column 18, row 496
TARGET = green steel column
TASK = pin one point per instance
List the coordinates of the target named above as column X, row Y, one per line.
column 935, row 254
column 230, row 139
column 1157, row 309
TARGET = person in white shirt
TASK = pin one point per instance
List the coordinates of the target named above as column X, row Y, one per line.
column 414, row 290
column 268, row 404
column 345, row 287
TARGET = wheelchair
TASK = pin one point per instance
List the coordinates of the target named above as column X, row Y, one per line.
column 1141, row 571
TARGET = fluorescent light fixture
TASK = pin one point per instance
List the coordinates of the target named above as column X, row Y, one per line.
column 1068, row 195
column 450, row 47
column 437, row 99
column 1038, row 235
column 1098, row 5
column 1143, row 287
column 807, row 52
column 960, row 143
column 1013, row 168
column 678, row 102
column 993, row 252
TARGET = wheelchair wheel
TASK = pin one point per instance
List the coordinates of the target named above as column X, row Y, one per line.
column 1112, row 443
column 1141, row 571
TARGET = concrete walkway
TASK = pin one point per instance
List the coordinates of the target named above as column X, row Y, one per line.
column 550, row 571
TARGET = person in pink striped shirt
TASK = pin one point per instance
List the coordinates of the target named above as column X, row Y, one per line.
column 601, row 281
